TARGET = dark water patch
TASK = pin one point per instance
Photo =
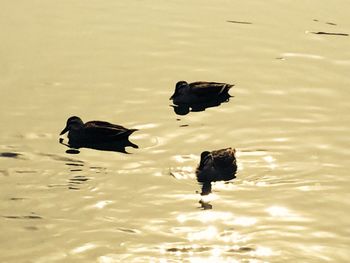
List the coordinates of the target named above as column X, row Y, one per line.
column 205, row 205
column 185, row 108
column 30, row 217
column 57, row 185
column 78, row 179
column 62, row 158
column 328, row 23
column 128, row 230
column 330, row 33
column 70, row 186
column 188, row 249
column 240, row 250
column 239, row 22
column 188, row 157
column 74, row 164
column 10, row 155
column 118, row 145
column 201, row 249
column 76, row 170
column 17, row 198
column 25, row 171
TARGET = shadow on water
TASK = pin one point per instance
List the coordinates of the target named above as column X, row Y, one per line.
column 10, row 155
column 201, row 249
column 76, row 171
column 32, row 215
column 114, row 146
column 206, row 189
column 76, row 181
column 184, row 109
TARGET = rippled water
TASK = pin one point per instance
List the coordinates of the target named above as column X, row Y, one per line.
column 119, row 62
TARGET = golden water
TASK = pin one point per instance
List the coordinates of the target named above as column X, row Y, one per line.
column 119, row 61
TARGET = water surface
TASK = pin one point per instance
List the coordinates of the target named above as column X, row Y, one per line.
column 119, row 62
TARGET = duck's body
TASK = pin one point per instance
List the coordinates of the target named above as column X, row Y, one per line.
column 219, row 165
column 94, row 132
column 200, row 92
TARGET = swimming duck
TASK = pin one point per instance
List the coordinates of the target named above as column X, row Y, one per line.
column 199, row 92
column 94, row 132
column 219, row 165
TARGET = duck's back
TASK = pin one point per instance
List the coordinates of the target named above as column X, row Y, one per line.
column 103, row 125
column 95, row 132
column 207, row 89
column 224, row 157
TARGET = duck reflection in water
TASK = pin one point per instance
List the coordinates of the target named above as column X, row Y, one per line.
column 98, row 135
column 218, row 165
column 198, row 96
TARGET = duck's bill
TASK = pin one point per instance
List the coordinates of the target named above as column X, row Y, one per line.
column 64, row 131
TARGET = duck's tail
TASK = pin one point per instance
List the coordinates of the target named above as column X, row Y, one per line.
column 226, row 89
column 133, row 145
column 132, row 130
column 128, row 132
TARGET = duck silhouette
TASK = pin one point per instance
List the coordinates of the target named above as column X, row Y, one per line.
column 218, row 165
column 100, row 135
column 199, row 92
column 198, row 96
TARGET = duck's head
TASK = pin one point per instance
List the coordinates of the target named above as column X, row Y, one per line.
column 180, row 88
column 204, row 158
column 73, row 122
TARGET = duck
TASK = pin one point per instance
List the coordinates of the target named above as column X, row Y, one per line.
column 218, row 165
column 200, row 92
column 94, row 132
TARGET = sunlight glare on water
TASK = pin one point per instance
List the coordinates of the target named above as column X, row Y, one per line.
column 118, row 61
